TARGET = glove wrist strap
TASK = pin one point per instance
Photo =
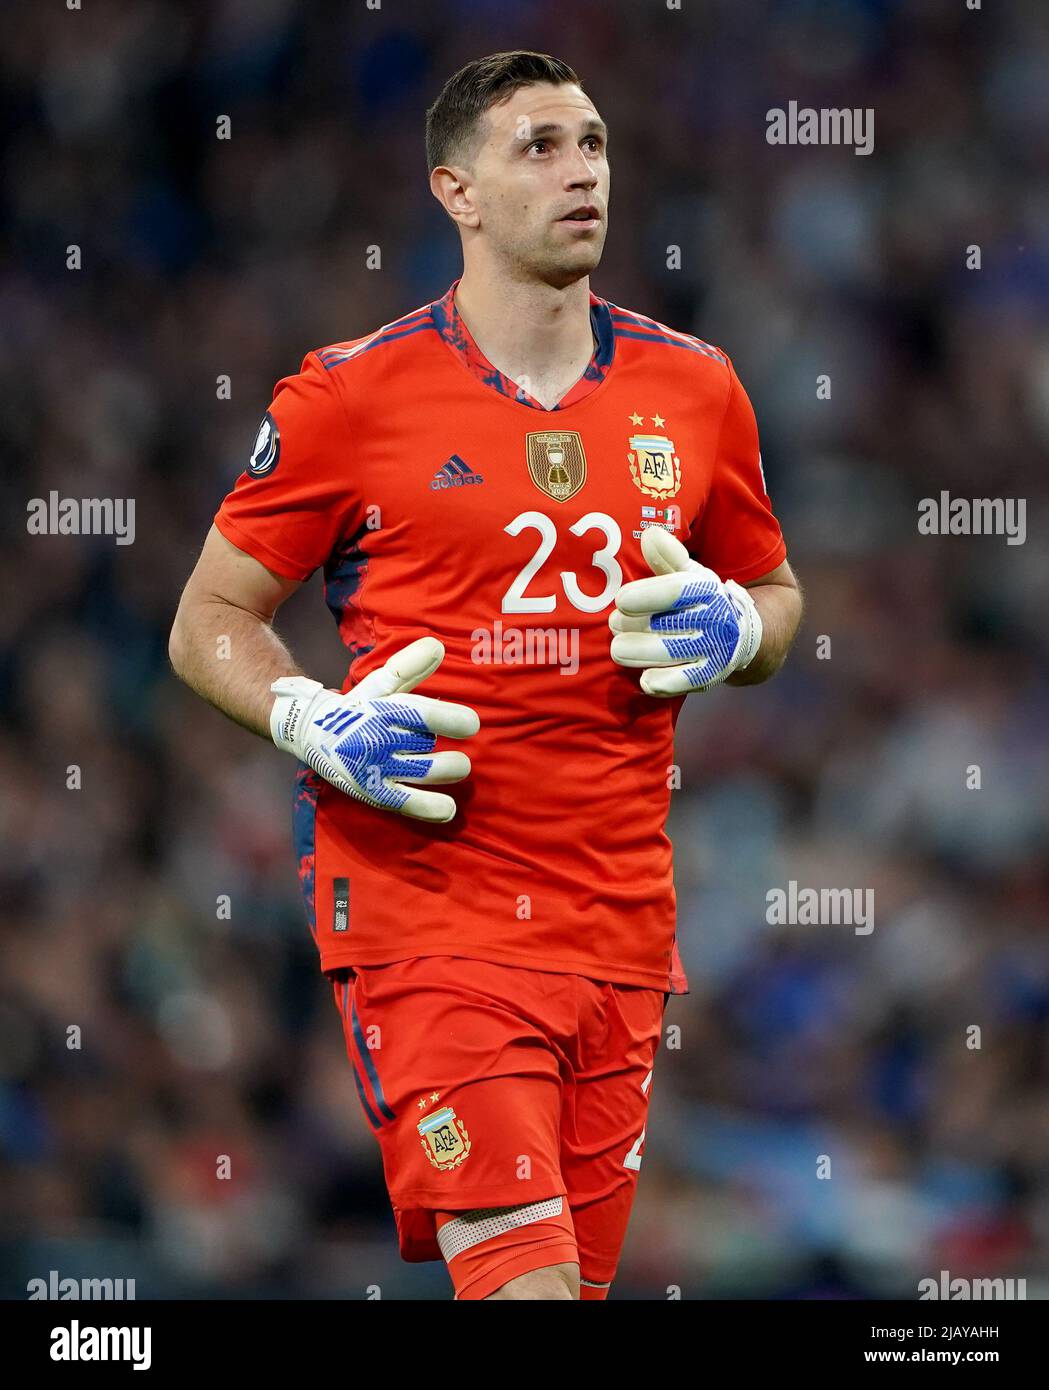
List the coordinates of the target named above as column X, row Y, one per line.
column 756, row 632
column 294, row 695
column 746, row 606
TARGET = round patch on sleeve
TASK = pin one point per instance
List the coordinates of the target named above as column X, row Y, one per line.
column 265, row 452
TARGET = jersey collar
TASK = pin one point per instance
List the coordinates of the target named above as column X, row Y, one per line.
column 449, row 323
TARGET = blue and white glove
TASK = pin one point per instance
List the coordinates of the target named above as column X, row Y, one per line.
column 376, row 737
column 689, row 629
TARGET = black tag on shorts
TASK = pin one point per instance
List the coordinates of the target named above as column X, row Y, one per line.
column 341, row 910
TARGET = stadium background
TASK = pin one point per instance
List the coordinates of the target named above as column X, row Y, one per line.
column 204, row 257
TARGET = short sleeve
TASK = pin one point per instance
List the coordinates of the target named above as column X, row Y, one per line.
column 294, row 499
column 736, row 534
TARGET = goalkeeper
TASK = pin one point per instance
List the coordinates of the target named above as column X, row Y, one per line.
column 480, row 838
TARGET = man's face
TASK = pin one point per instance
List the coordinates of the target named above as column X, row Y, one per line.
column 543, row 158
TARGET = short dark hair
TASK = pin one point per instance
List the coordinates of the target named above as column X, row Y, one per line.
column 452, row 121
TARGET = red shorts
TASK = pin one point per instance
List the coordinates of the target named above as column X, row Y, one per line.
column 491, row 1087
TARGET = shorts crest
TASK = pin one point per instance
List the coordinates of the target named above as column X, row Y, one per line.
column 444, row 1138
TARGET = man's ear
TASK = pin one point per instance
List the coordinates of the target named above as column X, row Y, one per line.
column 449, row 184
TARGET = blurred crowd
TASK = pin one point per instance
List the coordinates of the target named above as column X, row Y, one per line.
column 838, row 1114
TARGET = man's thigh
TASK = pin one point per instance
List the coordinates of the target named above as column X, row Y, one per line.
column 462, row 1086
column 604, row 1122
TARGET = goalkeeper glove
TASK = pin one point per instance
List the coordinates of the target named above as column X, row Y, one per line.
column 376, row 737
column 688, row 628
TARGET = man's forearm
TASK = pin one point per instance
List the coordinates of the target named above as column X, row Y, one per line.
column 780, row 608
column 230, row 657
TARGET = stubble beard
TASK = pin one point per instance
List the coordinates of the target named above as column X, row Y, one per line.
column 560, row 266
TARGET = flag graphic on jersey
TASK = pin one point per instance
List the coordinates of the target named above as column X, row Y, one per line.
column 557, row 858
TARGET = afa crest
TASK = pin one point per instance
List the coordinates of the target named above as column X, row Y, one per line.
column 556, row 462
column 654, row 466
column 444, row 1138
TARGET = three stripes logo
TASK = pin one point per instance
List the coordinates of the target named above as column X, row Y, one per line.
column 455, row 473
column 337, row 721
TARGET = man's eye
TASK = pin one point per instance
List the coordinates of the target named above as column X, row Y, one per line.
column 536, row 143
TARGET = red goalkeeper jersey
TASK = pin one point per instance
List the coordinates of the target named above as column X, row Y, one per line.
column 438, row 498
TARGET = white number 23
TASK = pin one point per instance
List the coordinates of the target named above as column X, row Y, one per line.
column 515, row 600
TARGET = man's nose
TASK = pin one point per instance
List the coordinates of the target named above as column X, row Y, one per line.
column 581, row 174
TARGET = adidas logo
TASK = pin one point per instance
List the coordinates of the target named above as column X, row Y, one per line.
column 337, row 721
column 455, row 473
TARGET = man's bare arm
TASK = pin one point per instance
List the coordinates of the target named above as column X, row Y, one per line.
column 777, row 597
column 222, row 642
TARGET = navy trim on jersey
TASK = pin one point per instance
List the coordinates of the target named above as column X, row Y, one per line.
column 608, row 321
column 333, row 357
column 631, row 325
